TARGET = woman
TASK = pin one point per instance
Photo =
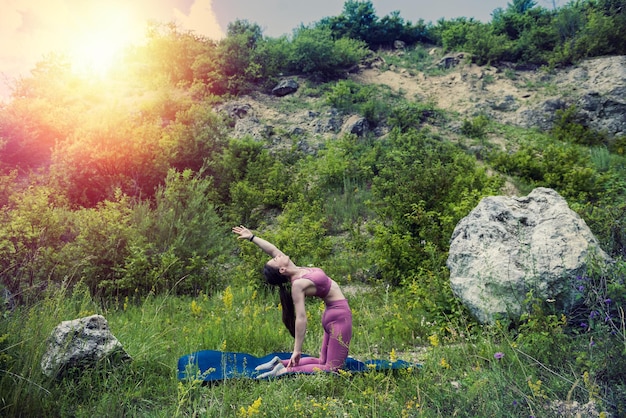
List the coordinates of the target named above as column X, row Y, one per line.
column 311, row 282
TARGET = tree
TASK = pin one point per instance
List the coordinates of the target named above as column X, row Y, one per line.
column 316, row 52
column 237, row 57
column 521, row 6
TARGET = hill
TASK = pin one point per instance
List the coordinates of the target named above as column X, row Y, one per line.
column 526, row 98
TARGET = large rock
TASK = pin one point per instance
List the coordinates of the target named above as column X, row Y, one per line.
column 508, row 246
column 80, row 344
column 285, row 87
column 356, row 125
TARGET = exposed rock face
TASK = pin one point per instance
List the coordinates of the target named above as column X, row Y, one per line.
column 508, row 246
column 80, row 343
column 597, row 89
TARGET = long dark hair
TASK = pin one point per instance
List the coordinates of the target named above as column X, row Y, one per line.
column 273, row 277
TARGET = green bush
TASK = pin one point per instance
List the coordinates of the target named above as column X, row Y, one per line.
column 185, row 241
column 476, row 127
column 34, row 228
column 370, row 101
column 411, row 115
column 314, row 52
column 569, row 127
column 424, row 186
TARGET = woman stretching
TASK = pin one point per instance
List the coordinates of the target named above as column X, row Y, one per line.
column 312, row 282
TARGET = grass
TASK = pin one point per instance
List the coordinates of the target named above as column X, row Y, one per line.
column 467, row 370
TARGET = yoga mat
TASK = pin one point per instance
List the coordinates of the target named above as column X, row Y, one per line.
column 212, row 365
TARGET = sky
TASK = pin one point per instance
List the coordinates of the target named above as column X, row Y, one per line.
column 94, row 29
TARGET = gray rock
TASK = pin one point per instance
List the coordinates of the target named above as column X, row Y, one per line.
column 508, row 246
column 507, row 104
column 236, row 110
column 397, row 44
column 81, row 344
column 356, row 125
column 285, row 87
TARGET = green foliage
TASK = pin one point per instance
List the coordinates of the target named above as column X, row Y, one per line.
column 423, row 188
column 237, row 58
column 7, row 187
column 554, row 164
column 315, row 52
column 476, row 127
column 485, row 45
column 368, row 100
column 411, row 115
column 358, row 20
column 453, row 34
column 172, row 52
column 415, row 58
column 33, row 229
column 541, row 332
column 250, row 181
column 101, row 238
column 182, row 244
column 44, row 110
column 195, row 139
column 530, row 34
column 115, row 153
column 568, row 127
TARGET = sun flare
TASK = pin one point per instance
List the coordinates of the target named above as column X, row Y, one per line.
column 103, row 32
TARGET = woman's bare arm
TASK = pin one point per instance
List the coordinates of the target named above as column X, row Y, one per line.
column 266, row 246
column 298, row 293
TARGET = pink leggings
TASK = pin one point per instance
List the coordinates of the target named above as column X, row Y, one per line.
column 337, row 323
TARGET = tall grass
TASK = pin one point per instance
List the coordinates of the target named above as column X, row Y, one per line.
column 466, row 369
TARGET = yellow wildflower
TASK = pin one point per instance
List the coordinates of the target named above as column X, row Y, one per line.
column 227, row 298
column 252, row 410
column 195, row 308
column 434, row 340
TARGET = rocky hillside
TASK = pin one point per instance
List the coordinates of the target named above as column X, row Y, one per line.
column 526, row 98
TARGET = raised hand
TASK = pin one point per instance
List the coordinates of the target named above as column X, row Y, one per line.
column 242, row 231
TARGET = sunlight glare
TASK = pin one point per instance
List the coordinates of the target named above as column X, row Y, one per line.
column 100, row 37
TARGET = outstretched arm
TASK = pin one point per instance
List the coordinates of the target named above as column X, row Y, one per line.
column 266, row 246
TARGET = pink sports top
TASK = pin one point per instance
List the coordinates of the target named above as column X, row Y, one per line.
column 321, row 281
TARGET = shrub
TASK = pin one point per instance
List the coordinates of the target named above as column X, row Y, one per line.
column 476, row 127
column 569, row 127
column 315, row 52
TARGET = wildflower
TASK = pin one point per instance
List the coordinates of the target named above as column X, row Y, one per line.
column 227, row 298
column 434, row 340
column 607, row 301
column 583, row 325
column 252, row 409
column 498, row 355
column 444, row 363
column 393, row 356
column 581, row 288
column 593, row 314
column 536, row 389
column 196, row 309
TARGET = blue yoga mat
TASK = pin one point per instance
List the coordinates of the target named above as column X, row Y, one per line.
column 212, row 365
